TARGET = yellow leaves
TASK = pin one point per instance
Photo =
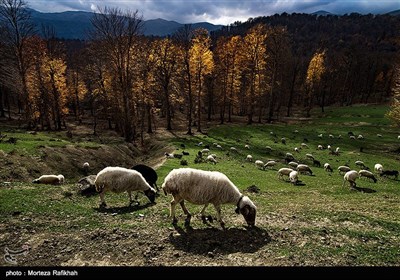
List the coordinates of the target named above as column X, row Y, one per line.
column 316, row 69
column 201, row 57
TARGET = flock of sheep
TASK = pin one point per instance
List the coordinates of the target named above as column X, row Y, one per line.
column 210, row 187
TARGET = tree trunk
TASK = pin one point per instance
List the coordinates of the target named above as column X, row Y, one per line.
column 149, row 117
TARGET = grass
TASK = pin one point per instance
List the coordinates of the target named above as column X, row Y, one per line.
column 318, row 223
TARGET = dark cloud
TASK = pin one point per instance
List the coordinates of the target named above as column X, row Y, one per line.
column 219, row 11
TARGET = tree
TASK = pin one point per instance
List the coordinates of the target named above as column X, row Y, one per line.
column 18, row 27
column 394, row 113
column 315, row 71
column 202, row 64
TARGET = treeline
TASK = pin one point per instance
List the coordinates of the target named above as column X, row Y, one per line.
column 265, row 69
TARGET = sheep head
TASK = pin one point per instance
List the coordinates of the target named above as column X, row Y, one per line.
column 151, row 194
column 247, row 209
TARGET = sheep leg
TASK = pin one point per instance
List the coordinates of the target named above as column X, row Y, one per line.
column 172, row 212
column 219, row 217
column 130, row 198
column 203, row 217
column 188, row 215
column 102, row 201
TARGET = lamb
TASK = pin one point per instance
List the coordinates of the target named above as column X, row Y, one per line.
column 249, row 158
column 328, row 168
column 284, row 171
column 351, row 177
column 119, row 179
column 259, row 164
column 294, row 177
column 148, row 173
column 343, row 169
column 211, row 159
column 367, row 174
column 393, row 173
column 303, row 168
column 205, row 187
column 378, row 168
column 85, row 168
column 398, row 137
column 270, row 163
column 50, row 180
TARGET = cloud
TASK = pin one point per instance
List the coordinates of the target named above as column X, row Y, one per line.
column 218, row 11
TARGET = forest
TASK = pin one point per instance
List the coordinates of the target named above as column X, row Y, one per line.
column 266, row 69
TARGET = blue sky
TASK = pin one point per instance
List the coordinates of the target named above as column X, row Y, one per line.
column 218, row 11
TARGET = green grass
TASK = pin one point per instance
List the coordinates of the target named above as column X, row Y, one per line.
column 318, row 223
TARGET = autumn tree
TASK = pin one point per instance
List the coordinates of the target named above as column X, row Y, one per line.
column 315, row 72
column 17, row 28
column 118, row 31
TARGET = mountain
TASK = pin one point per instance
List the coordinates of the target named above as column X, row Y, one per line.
column 394, row 13
column 76, row 25
column 321, row 13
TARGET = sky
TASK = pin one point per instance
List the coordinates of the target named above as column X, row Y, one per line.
column 218, row 11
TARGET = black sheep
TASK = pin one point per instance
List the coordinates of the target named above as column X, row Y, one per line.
column 387, row 173
column 148, row 173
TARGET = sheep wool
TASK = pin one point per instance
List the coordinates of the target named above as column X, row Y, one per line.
column 204, row 187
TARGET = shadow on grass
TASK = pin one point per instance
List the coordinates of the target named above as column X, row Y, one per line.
column 123, row 209
column 207, row 241
column 364, row 190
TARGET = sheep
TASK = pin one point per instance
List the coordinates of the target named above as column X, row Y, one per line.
column 343, row 168
column 296, row 149
column 270, row 163
column 249, row 158
column 284, row 171
column 259, row 164
column 289, row 157
column 168, row 155
column 247, row 147
column 185, row 153
column 331, row 136
column 304, row 145
column 293, row 164
column 320, row 135
column 398, row 137
column 303, row 168
column 340, row 136
column 85, row 168
column 320, row 147
column 148, row 173
column 329, row 147
column 379, row 135
column 200, row 144
column 310, row 156
column 119, row 179
column 367, row 174
column 360, row 163
column 86, row 185
column 178, row 156
column 205, row 151
column 233, row 149
column 351, row 177
column 328, row 168
column 50, row 180
column 294, row 177
column 316, row 163
column 219, row 147
column 352, row 137
column 386, row 173
column 268, row 148
column 202, row 188
column 214, row 156
column 211, row 159
column 378, row 168
column 296, row 131
column 360, row 137
column 283, row 140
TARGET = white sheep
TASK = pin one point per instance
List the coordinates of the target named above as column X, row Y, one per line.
column 331, row 136
column 304, row 168
column 340, row 136
column 329, row 147
column 168, row 155
column 320, row 147
column 310, row 156
column 259, row 164
column 320, row 135
column 294, row 177
column 249, row 158
column 304, row 145
column 247, row 147
column 398, row 137
column 379, row 135
column 352, row 137
column 293, row 164
column 328, row 168
column 50, row 180
column 86, row 166
column 367, row 174
column 205, row 187
column 337, row 150
column 205, row 151
column 284, row 171
column 360, row 163
column 296, row 149
column 211, row 159
column 270, row 163
column 233, row 149
column 343, row 169
column 119, row 179
column 268, row 148
column 219, row 147
column 378, row 168
column 351, row 177
column 200, row 144
column 360, row 137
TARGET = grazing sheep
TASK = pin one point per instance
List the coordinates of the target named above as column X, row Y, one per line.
column 214, row 156
column 343, row 169
column 340, row 136
column 293, row 164
column 178, row 156
column 259, row 164
column 200, row 144
column 352, row 137
column 50, row 180
column 310, row 156
column 331, row 136
column 168, row 155
column 85, row 168
column 283, row 140
column 86, row 185
column 303, row 168
column 247, row 147
column 360, row 163
column 270, row 163
column 316, row 163
column 296, row 150
column 289, row 157
column 379, row 135
column 185, row 153
column 119, row 179
column 205, row 151
column 320, row 135
column 328, row 168
column 337, row 150
column 387, row 173
column 211, row 159
column 249, row 158
column 296, row 131
column 284, row 171
column 351, row 177
column 320, row 147
column 329, row 147
column 367, row 174
column 219, row 147
column 148, row 173
column 398, row 137
column 378, row 168
column 360, row 137
column 233, row 149
column 268, row 148
column 205, row 187
column 304, row 145
column 294, row 177
column 350, row 133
